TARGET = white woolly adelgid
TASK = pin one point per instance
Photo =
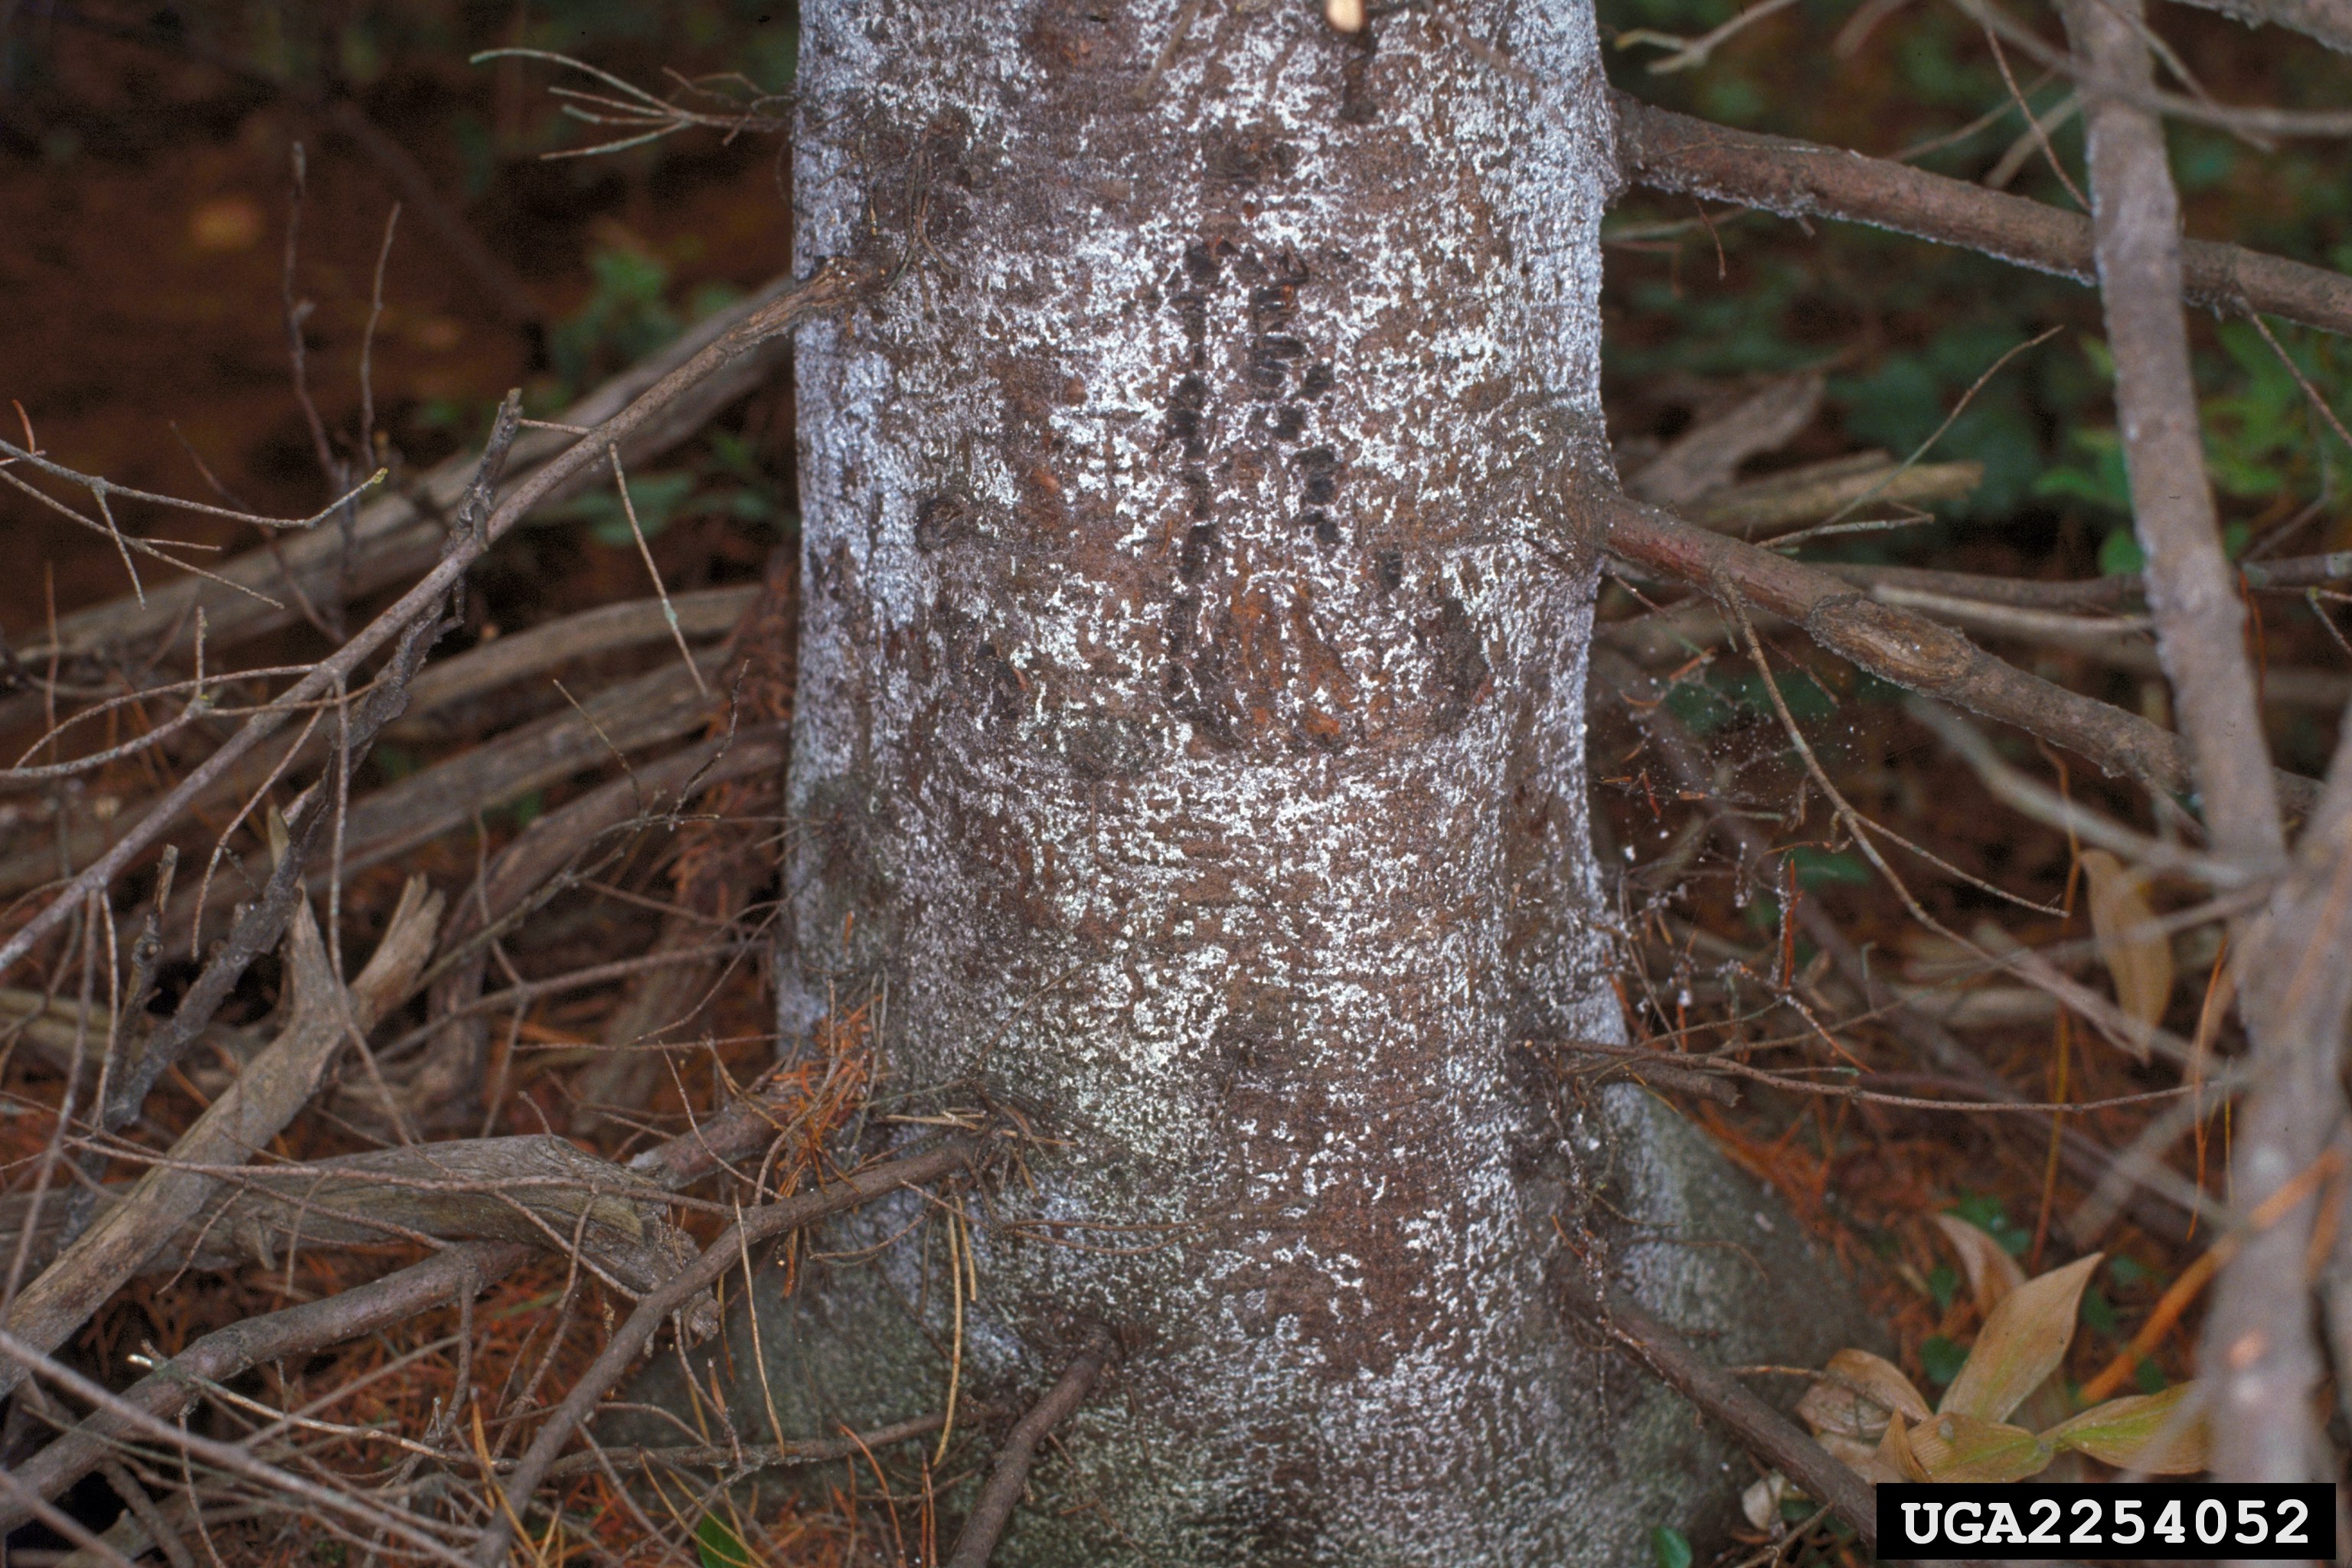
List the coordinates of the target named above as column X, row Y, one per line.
column 1189, row 742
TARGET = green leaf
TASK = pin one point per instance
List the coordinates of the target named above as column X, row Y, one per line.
column 2120, row 553
column 2148, row 1377
column 719, row 1547
column 1941, row 1357
column 1817, row 866
column 1669, row 1548
column 2100, row 1312
column 1944, row 1287
column 1987, row 1212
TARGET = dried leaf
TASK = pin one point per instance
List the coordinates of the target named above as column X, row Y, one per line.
column 1992, row 1272
column 1862, row 1459
column 2022, row 1341
column 1761, row 1502
column 1950, row 1447
column 1895, row 1453
column 2120, row 1433
column 2139, row 957
column 1856, row 1393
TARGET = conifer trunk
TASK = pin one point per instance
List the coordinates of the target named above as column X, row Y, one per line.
column 1188, row 757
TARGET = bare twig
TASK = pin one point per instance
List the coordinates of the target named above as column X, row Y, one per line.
column 2160, row 1211
column 275, row 1085
column 737, row 1462
column 462, row 1270
column 992, row 1509
column 1671, row 151
column 1763, row 1431
column 401, row 535
column 2136, row 220
column 831, row 286
column 1907, row 649
column 621, row 1351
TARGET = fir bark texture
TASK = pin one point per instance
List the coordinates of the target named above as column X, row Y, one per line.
column 1189, row 756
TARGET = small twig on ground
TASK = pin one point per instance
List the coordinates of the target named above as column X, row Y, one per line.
column 992, row 1509
column 1763, row 1431
column 255, row 1106
column 833, row 285
column 621, row 1351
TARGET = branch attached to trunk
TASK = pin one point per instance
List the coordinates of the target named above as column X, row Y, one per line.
column 1908, row 649
column 2329, row 21
column 1669, row 152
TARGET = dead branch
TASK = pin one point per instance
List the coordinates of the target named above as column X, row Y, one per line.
column 1763, row 1431
column 992, row 1509
column 1820, row 490
column 400, row 536
column 647, row 711
column 758, row 1225
column 1934, row 1044
column 1702, row 459
column 735, row 1463
column 2262, row 1349
column 2136, row 221
column 2295, row 990
column 521, row 655
column 1670, row 152
column 1903, row 648
column 437, row 689
column 275, row 1087
column 718, row 868
column 535, row 868
column 736, row 1133
column 831, row 286
column 231, row 1457
column 535, row 1190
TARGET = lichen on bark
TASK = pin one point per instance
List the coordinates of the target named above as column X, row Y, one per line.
column 1190, row 746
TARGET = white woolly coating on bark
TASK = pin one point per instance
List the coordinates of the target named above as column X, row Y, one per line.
column 1250, row 901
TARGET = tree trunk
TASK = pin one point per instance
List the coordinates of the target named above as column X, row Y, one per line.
column 1188, row 757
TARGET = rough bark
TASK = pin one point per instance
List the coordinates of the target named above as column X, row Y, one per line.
column 1189, row 756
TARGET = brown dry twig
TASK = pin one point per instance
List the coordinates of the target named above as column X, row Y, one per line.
column 1674, row 152
column 833, row 285
column 992, row 1509
column 273, row 1088
column 1901, row 646
column 1763, row 1431
column 758, row 1225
